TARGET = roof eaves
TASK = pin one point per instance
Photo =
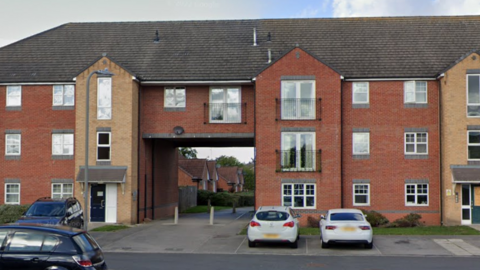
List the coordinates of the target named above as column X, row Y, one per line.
column 477, row 51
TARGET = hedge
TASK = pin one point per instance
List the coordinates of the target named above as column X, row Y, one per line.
column 11, row 213
column 224, row 198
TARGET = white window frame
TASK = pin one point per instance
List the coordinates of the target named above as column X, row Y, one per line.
column 416, row 194
column 410, row 87
column 360, row 86
column 19, row 144
column 226, row 117
column 62, row 193
column 12, row 193
column 109, row 145
column 471, row 144
column 307, row 188
column 415, row 143
column 298, row 147
column 468, row 97
column 62, row 144
column 355, row 137
column 175, row 95
column 298, row 114
column 361, row 194
column 9, row 96
column 61, row 92
column 104, row 98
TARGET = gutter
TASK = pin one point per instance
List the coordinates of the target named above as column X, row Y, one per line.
column 225, row 82
column 440, row 144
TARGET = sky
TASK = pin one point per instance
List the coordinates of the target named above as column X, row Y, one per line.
column 20, row 19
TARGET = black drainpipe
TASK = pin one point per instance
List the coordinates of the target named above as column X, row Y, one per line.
column 153, row 179
column 254, row 143
column 341, row 142
column 440, row 146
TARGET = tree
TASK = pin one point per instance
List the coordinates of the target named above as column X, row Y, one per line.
column 249, row 177
column 188, row 152
column 228, row 161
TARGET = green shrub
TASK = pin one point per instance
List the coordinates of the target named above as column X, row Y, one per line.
column 11, row 213
column 222, row 199
column 376, row 219
column 245, row 200
column 313, row 222
column 410, row 220
column 203, row 196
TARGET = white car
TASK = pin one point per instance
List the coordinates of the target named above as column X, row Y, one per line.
column 345, row 226
column 274, row 224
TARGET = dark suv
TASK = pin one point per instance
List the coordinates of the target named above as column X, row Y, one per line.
column 55, row 212
column 46, row 247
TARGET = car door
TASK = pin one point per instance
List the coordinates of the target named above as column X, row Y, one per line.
column 3, row 241
column 24, row 250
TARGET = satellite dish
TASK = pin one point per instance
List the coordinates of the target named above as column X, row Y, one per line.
column 178, row 130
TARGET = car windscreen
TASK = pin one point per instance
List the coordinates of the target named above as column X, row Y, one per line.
column 85, row 242
column 46, row 209
column 272, row 215
column 346, row 217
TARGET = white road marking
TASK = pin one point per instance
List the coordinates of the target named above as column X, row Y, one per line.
column 458, row 247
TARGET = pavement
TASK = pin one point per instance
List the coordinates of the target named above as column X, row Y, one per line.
column 194, row 234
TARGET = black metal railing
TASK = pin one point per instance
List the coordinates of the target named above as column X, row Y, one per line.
column 225, row 113
column 299, row 160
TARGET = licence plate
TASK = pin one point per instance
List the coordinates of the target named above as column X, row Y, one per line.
column 348, row 229
column 270, row 236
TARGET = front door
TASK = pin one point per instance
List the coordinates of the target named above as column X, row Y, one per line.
column 97, row 203
column 475, row 204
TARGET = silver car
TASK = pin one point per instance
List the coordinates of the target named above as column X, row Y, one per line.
column 274, row 224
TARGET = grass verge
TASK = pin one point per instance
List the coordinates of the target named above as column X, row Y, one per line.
column 110, row 228
column 204, row 209
column 427, row 230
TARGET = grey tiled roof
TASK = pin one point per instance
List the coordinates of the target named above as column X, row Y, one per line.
column 222, row 50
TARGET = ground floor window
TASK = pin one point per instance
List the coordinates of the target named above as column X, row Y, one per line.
column 62, row 190
column 361, row 194
column 298, row 195
column 12, row 193
column 416, row 194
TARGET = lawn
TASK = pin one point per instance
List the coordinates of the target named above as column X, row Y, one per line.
column 427, row 230
column 110, row 228
column 204, row 209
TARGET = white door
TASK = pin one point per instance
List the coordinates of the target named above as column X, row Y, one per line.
column 111, row 203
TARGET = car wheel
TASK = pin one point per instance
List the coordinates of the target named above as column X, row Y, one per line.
column 369, row 245
column 294, row 244
column 324, row 245
column 251, row 244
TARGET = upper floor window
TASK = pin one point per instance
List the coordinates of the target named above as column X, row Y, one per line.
column 175, row 97
column 474, row 145
column 361, row 143
column 361, row 194
column 473, row 96
column 62, row 144
column 104, row 98
column 104, row 144
column 360, row 93
column 61, row 190
column 416, row 194
column 415, row 92
column 416, row 143
column 12, row 193
column 63, row 95
column 298, row 151
column 13, row 144
column 298, row 195
column 298, row 100
column 225, row 105
column 14, row 95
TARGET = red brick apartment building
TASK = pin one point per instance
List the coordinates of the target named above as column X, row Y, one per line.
column 373, row 113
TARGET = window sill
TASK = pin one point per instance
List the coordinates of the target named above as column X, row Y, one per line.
column 420, row 205
column 63, row 108
column 416, row 156
column 296, row 170
column 474, row 162
column 13, row 108
column 62, row 157
column 103, row 163
column 174, row 109
column 416, row 105
column 12, row 157
column 357, row 156
column 361, row 106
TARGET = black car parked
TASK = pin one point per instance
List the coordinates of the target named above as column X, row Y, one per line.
column 55, row 212
column 46, row 247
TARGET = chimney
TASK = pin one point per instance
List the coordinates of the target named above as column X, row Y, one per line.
column 254, row 36
column 157, row 38
column 269, row 56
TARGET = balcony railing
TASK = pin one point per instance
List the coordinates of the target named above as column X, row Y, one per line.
column 297, row 108
column 299, row 161
column 225, row 113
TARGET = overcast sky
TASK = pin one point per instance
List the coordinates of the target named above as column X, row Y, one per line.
column 20, row 19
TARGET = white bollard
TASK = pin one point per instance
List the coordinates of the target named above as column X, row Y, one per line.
column 175, row 219
column 211, row 215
